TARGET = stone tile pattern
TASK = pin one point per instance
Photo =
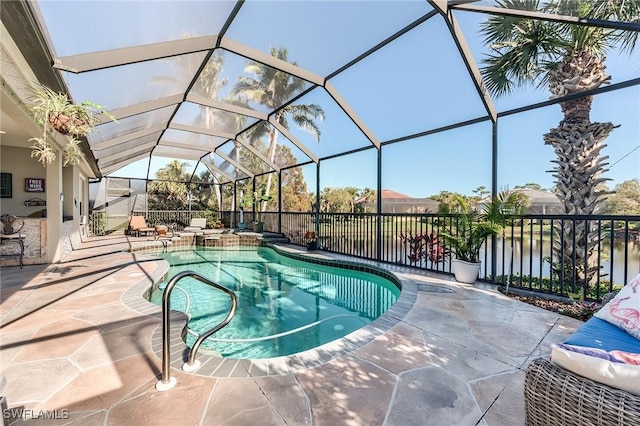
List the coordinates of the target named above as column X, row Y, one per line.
column 80, row 337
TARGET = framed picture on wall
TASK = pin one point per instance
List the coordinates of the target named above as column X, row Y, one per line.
column 6, row 189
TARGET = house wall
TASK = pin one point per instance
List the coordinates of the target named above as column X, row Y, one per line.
column 19, row 163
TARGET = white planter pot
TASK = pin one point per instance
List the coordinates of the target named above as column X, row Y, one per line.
column 465, row 272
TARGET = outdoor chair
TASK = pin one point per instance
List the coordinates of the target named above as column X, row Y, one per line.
column 197, row 224
column 10, row 232
column 138, row 225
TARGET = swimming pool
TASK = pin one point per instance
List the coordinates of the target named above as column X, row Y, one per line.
column 285, row 305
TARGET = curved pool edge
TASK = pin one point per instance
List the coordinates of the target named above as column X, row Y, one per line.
column 213, row 366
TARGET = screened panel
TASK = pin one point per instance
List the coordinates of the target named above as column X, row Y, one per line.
column 340, row 189
column 212, row 119
column 123, row 126
column 135, row 83
column 173, row 152
column 81, row 27
column 426, row 87
column 260, row 137
column 337, row 132
column 116, row 145
column 456, row 161
column 320, row 36
column 298, row 189
column 147, row 142
column 136, row 169
column 244, row 157
column 225, row 167
column 197, row 140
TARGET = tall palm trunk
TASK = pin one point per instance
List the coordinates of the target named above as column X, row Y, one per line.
column 271, row 155
column 577, row 143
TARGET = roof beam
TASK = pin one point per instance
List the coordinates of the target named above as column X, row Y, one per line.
column 271, row 61
column 184, row 153
column 118, row 165
column 189, row 145
column 141, row 108
column 235, row 164
column 225, row 106
column 131, row 55
column 469, row 61
column 127, row 137
column 287, row 134
column 194, row 129
column 123, row 154
column 351, row 114
column 258, row 154
column 575, row 20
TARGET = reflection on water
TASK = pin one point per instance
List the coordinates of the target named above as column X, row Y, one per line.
column 529, row 258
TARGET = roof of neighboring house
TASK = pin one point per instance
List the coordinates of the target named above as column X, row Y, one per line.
column 538, row 196
column 393, row 196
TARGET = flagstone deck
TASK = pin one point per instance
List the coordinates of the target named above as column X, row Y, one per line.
column 74, row 346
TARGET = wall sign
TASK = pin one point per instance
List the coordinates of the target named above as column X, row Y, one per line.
column 34, row 185
column 35, row 202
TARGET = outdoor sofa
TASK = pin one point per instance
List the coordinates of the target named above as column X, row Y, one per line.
column 593, row 377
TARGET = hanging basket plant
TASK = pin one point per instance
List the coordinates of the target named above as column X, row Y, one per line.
column 56, row 111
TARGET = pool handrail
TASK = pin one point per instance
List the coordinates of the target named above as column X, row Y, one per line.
column 167, row 382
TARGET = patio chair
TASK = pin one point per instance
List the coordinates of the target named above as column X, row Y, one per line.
column 138, row 225
column 10, row 232
column 197, row 224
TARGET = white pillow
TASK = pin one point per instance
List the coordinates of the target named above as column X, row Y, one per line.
column 617, row 375
column 623, row 310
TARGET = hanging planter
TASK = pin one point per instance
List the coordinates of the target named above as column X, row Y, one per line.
column 65, row 125
column 56, row 111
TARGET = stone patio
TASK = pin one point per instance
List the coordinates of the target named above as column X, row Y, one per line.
column 75, row 346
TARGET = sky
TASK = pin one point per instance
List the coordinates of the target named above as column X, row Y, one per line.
column 414, row 84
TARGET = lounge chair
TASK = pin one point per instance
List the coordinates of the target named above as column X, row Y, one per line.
column 138, row 225
column 197, row 224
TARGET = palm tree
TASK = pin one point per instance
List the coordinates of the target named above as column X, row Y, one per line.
column 170, row 187
column 273, row 88
column 568, row 59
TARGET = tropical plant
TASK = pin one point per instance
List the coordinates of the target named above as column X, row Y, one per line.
column 424, row 246
column 469, row 228
column 274, row 89
column 256, row 199
column 310, row 237
column 568, row 59
column 169, row 191
column 55, row 111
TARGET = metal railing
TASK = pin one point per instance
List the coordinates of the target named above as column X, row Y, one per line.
column 521, row 257
column 167, row 382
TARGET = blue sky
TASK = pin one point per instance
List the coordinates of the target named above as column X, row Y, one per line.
column 416, row 83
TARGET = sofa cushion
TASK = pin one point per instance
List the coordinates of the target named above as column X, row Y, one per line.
column 613, row 356
column 614, row 374
column 597, row 333
column 623, row 310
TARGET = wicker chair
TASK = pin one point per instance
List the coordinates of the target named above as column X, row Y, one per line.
column 556, row 396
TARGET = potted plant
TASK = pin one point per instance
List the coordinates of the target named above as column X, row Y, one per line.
column 469, row 230
column 311, row 240
column 56, row 111
column 257, row 198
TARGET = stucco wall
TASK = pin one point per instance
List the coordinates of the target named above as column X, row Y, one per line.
column 19, row 163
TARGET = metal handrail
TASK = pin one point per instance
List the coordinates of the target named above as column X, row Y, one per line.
column 167, row 382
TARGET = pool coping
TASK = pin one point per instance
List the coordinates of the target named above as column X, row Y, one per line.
column 136, row 298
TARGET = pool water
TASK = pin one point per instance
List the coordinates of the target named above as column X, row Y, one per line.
column 285, row 305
